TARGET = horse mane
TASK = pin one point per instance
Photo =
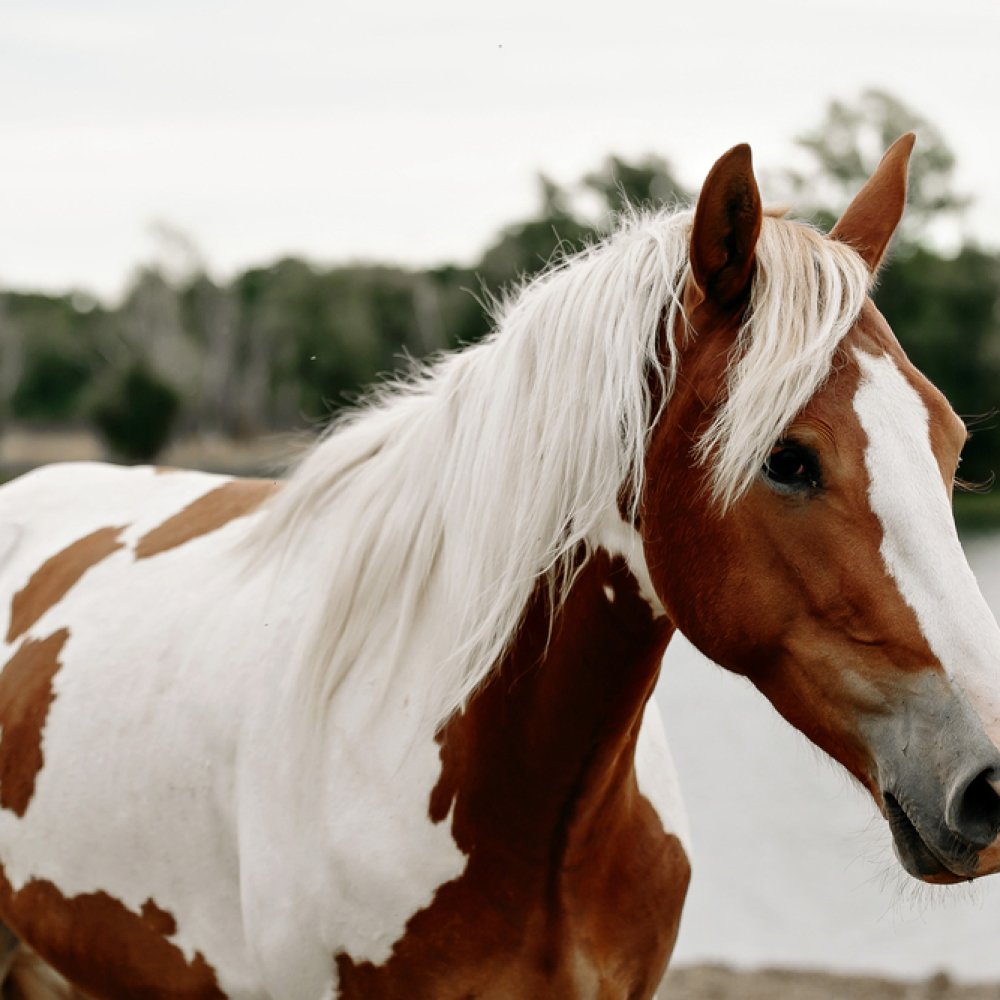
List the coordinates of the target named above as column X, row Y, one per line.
column 428, row 515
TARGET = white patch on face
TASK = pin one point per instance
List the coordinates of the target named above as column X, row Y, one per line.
column 920, row 545
column 609, row 593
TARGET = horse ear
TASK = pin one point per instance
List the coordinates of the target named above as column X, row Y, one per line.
column 725, row 229
column 871, row 218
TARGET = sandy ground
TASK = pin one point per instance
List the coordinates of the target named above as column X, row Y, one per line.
column 713, row 982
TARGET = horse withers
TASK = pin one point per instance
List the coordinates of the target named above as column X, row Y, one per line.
column 384, row 730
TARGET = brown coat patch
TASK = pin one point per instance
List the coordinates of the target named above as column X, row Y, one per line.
column 25, row 696
column 572, row 887
column 208, row 513
column 50, row 583
column 159, row 920
column 101, row 946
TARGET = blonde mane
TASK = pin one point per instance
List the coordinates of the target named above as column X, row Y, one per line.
column 429, row 515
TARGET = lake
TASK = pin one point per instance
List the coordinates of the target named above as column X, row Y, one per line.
column 792, row 864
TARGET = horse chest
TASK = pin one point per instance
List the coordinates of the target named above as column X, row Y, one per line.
column 599, row 922
column 572, row 886
column 523, row 864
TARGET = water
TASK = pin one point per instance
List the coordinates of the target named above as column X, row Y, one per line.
column 792, row 864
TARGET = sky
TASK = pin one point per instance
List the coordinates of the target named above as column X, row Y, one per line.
column 410, row 133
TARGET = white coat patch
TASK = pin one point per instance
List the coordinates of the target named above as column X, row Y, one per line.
column 657, row 776
column 621, row 539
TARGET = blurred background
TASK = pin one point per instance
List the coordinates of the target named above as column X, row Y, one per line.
column 220, row 221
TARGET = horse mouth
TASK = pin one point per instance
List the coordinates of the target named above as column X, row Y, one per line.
column 917, row 856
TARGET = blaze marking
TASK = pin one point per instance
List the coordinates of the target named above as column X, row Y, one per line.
column 208, row 513
column 25, row 696
column 920, row 545
column 50, row 583
column 125, row 953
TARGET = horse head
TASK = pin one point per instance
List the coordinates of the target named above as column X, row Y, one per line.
column 796, row 515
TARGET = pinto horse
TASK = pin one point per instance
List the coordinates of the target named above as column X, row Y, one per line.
column 385, row 730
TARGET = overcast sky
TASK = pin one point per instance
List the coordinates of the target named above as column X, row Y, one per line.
column 411, row 132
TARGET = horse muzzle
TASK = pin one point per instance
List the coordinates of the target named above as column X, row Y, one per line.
column 939, row 778
column 936, row 851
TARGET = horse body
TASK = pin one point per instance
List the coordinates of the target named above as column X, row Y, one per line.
column 190, row 844
column 385, row 731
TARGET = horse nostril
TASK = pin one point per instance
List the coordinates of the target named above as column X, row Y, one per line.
column 975, row 809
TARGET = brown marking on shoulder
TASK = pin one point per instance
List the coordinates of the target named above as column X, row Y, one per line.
column 208, row 513
column 50, row 583
column 25, row 696
column 103, row 947
column 572, row 887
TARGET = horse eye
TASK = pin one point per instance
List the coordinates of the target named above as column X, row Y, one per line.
column 792, row 467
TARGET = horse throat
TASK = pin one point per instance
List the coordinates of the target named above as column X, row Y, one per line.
column 550, row 737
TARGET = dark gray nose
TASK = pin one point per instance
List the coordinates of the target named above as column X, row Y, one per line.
column 972, row 811
column 940, row 780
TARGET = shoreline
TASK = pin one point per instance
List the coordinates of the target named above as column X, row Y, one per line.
column 721, row 982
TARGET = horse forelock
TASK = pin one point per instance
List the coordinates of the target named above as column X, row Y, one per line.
column 449, row 494
column 807, row 294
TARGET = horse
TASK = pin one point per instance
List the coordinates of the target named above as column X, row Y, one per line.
column 384, row 729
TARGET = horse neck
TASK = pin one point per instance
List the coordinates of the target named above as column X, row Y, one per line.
column 545, row 748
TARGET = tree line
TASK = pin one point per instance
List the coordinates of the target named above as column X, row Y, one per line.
column 288, row 343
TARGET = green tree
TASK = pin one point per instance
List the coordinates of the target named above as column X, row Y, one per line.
column 135, row 410
column 54, row 345
column 848, row 142
column 312, row 338
column 649, row 182
column 946, row 313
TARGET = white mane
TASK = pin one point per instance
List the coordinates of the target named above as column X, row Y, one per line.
column 446, row 498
